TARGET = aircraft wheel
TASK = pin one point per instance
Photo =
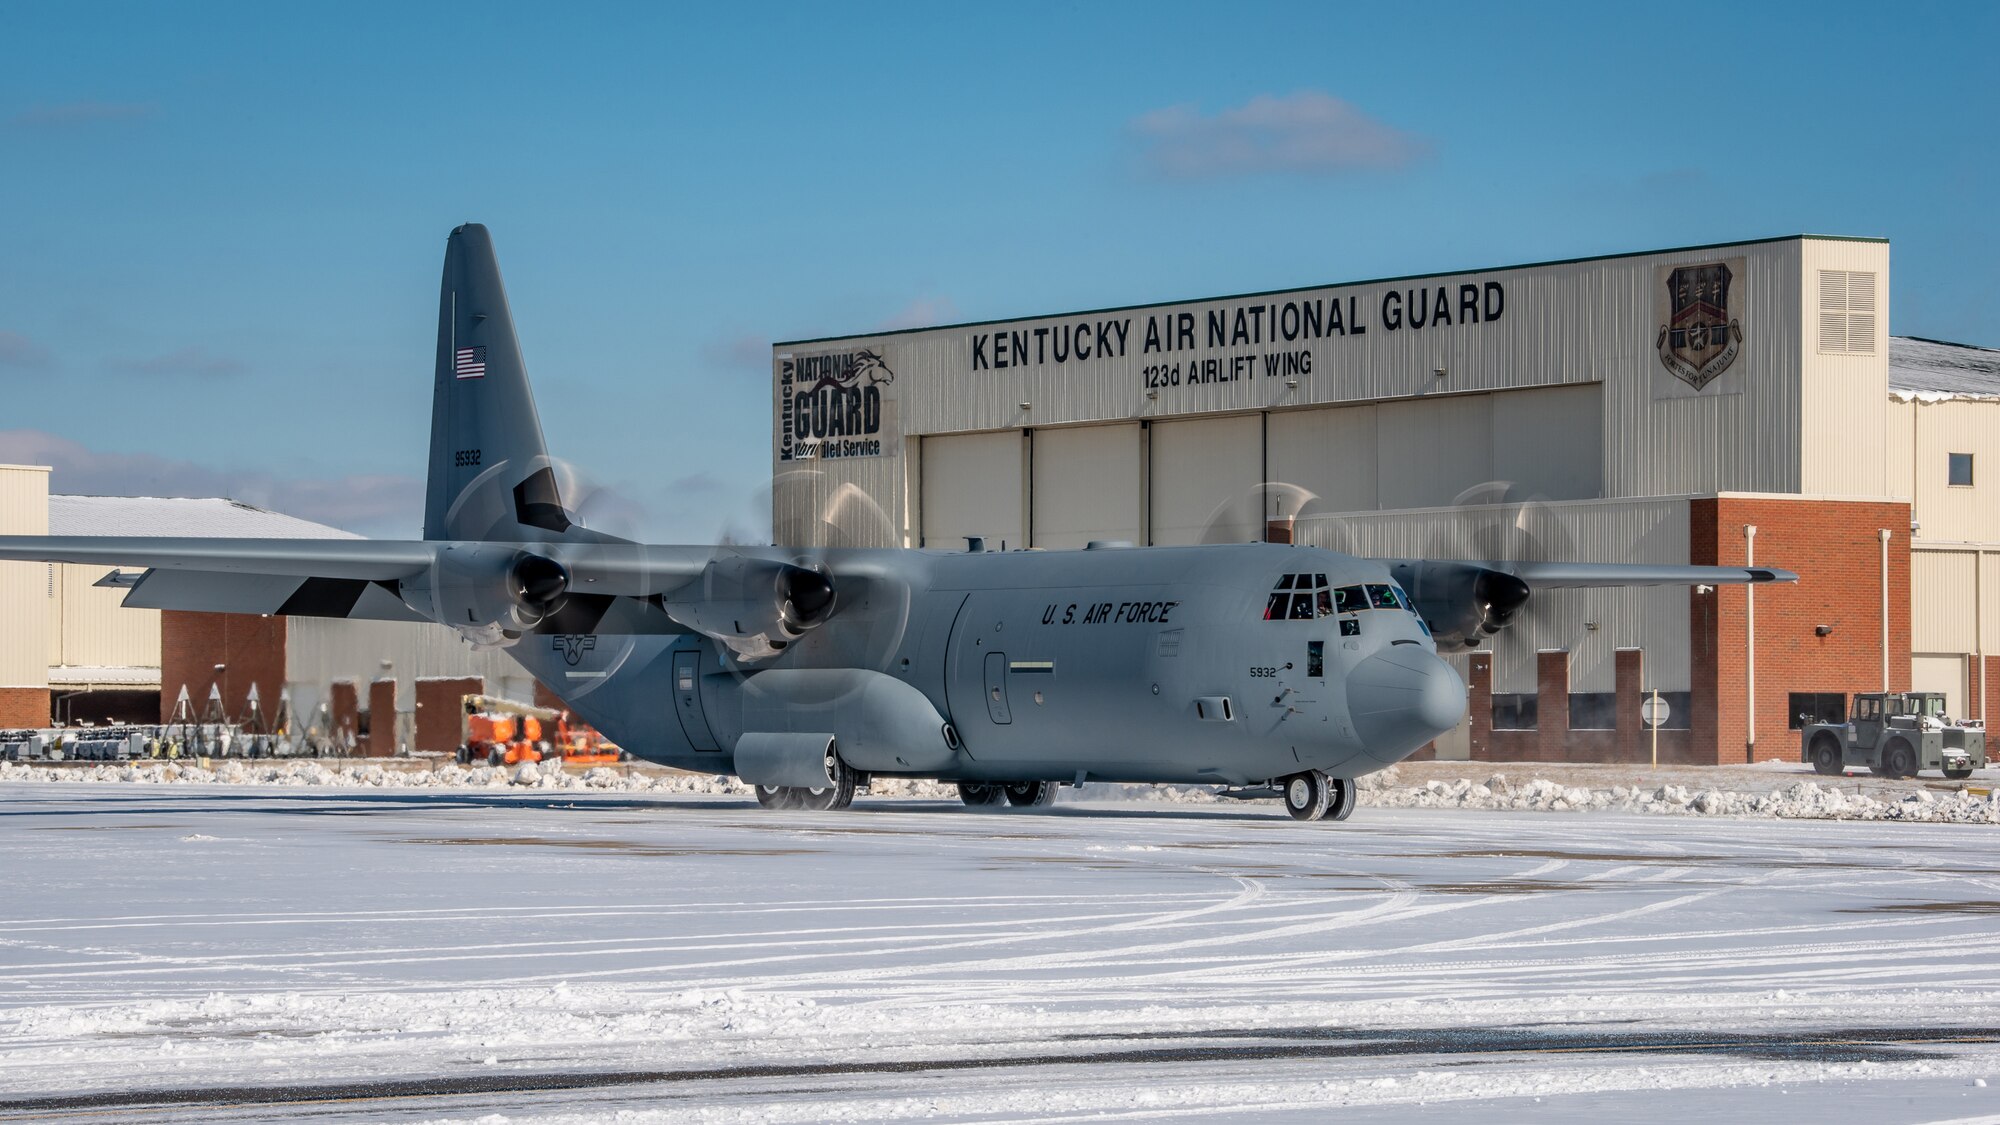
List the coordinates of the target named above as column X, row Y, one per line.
column 1826, row 755
column 978, row 796
column 1031, row 794
column 1340, row 799
column 1900, row 759
column 1307, row 795
column 1959, row 775
column 777, row 796
column 839, row 796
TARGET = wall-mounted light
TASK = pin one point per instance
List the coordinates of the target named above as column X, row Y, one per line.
column 1438, row 372
column 1026, row 405
column 1152, row 394
column 1590, row 626
column 1704, row 589
column 1292, row 383
column 1822, row 630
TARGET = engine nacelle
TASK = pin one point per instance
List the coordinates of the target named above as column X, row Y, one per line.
column 755, row 606
column 490, row 593
column 1462, row 602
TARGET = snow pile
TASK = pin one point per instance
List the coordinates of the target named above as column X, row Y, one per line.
column 1804, row 800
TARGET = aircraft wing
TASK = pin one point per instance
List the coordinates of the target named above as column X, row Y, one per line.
column 1575, row 575
column 1570, row 576
column 350, row 578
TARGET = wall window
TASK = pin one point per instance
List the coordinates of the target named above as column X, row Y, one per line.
column 1959, row 475
column 1680, row 710
column 1517, row 711
column 1593, row 710
column 1805, row 708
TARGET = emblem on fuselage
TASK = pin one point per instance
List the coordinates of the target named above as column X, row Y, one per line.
column 574, row 645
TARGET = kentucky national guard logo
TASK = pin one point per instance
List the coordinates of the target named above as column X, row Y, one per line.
column 1700, row 340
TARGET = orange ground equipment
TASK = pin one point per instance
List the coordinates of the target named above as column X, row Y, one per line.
column 501, row 732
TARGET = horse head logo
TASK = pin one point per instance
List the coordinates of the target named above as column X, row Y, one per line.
column 869, row 362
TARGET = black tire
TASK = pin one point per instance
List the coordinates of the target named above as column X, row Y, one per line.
column 1306, row 795
column 777, row 796
column 1341, row 799
column 1899, row 759
column 496, row 757
column 1031, row 794
column 1826, row 756
column 834, row 798
column 464, row 755
column 977, row 796
column 1959, row 775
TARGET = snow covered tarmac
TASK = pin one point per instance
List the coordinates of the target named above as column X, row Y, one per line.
column 216, row 953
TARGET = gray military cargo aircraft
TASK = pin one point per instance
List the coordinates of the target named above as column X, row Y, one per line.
column 1270, row 670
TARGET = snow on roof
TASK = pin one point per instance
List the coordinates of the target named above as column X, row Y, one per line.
column 208, row 517
column 1933, row 370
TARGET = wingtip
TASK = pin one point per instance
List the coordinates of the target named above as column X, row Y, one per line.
column 1771, row 574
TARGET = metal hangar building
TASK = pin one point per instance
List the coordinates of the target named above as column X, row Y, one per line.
column 1724, row 404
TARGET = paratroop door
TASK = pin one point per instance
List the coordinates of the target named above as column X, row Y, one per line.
column 996, row 688
column 687, row 700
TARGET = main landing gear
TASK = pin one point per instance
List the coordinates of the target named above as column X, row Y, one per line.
column 838, row 796
column 1021, row 795
column 1313, row 795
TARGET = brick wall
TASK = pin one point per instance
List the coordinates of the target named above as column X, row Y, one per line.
column 546, row 698
column 250, row 648
column 344, row 712
column 441, row 712
column 24, row 707
column 1479, row 702
column 1552, row 740
column 1834, row 547
column 382, row 731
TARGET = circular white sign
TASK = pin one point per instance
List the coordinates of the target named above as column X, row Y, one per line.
column 1654, row 710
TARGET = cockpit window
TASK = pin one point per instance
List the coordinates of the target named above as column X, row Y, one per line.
column 1304, row 597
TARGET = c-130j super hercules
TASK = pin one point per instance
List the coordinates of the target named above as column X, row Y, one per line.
column 1271, row 669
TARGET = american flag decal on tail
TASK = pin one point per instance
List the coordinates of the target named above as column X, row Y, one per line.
column 471, row 363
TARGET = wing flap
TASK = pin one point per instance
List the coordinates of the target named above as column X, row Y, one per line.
column 282, row 595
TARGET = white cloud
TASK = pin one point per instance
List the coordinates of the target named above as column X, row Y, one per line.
column 371, row 504
column 922, row 312
column 744, row 349
column 1306, row 132
column 21, row 353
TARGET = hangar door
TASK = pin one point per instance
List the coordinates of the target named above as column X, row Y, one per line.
column 1198, row 465
column 1941, row 672
column 975, row 484
column 1087, row 485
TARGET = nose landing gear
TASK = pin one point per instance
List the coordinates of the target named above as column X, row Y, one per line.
column 1313, row 795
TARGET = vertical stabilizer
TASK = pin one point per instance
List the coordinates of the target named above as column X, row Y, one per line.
column 490, row 474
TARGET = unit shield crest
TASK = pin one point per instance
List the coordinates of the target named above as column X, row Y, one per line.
column 1700, row 339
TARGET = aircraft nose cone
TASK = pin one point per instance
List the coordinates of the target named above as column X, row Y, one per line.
column 1401, row 698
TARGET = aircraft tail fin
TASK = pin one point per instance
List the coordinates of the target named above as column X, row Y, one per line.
column 490, row 473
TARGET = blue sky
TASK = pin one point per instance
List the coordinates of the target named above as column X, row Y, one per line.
column 221, row 225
